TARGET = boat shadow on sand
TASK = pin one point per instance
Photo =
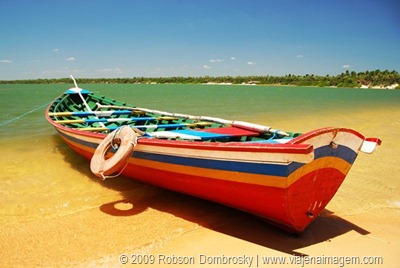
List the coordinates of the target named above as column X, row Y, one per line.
column 137, row 197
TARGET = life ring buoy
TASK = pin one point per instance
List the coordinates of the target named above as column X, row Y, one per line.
column 102, row 167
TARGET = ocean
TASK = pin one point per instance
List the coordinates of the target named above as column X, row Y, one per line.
column 44, row 185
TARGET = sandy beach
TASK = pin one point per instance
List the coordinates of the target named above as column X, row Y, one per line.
column 55, row 213
column 175, row 225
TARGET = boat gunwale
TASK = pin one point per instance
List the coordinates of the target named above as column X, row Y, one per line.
column 297, row 145
column 319, row 131
column 215, row 146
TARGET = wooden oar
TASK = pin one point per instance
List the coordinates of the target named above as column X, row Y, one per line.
column 240, row 124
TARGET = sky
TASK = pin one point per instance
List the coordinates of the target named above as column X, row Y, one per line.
column 163, row 38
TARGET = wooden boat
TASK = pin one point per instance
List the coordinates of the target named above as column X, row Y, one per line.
column 286, row 178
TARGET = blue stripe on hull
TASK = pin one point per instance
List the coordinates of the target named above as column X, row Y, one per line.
column 80, row 141
column 342, row 152
column 254, row 168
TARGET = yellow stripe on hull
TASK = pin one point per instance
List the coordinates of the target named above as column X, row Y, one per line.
column 234, row 176
column 324, row 162
column 265, row 180
column 256, row 179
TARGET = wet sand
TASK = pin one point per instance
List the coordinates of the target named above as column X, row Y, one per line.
column 67, row 217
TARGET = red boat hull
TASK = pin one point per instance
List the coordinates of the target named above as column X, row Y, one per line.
column 291, row 198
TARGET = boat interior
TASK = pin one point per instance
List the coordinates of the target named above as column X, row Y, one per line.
column 87, row 111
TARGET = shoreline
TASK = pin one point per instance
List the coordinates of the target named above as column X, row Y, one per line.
column 368, row 79
column 391, row 87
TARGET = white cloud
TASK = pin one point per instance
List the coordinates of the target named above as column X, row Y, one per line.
column 346, row 66
column 233, row 58
column 251, row 63
column 70, row 59
column 55, row 49
column 216, row 60
column 300, row 56
column 6, row 61
column 206, row 67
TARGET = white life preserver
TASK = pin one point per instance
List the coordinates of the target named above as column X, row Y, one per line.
column 104, row 168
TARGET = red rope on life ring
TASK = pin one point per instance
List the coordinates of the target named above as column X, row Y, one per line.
column 102, row 167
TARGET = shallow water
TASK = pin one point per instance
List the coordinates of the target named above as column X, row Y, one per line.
column 44, row 184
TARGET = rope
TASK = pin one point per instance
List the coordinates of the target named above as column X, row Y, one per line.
column 274, row 134
column 118, row 132
column 104, row 177
column 22, row 115
column 134, row 143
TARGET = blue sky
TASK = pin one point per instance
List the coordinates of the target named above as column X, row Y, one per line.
column 153, row 38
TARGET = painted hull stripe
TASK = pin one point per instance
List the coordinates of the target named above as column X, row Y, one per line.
column 281, row 170
column 248, row 178
column 341, row 152
column 256, row 168
column 80, row 141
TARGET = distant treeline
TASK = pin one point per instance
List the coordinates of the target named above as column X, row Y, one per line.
column 375, row 78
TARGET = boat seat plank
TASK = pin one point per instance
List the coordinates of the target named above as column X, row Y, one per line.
column 232, row 131
column 273, row 141
column 104, row 120
column 167, row 118
column 142, row 127
column 166, row 126
column 203, row 124
column 186, row 134
column 203, row 135
column 93, row 113
column 172, row 135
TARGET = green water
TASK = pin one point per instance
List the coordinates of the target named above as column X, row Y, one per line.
column 250, row 103
column 51, row 202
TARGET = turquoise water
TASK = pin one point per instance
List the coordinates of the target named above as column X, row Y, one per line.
column 250, row 103
column 51, row 202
